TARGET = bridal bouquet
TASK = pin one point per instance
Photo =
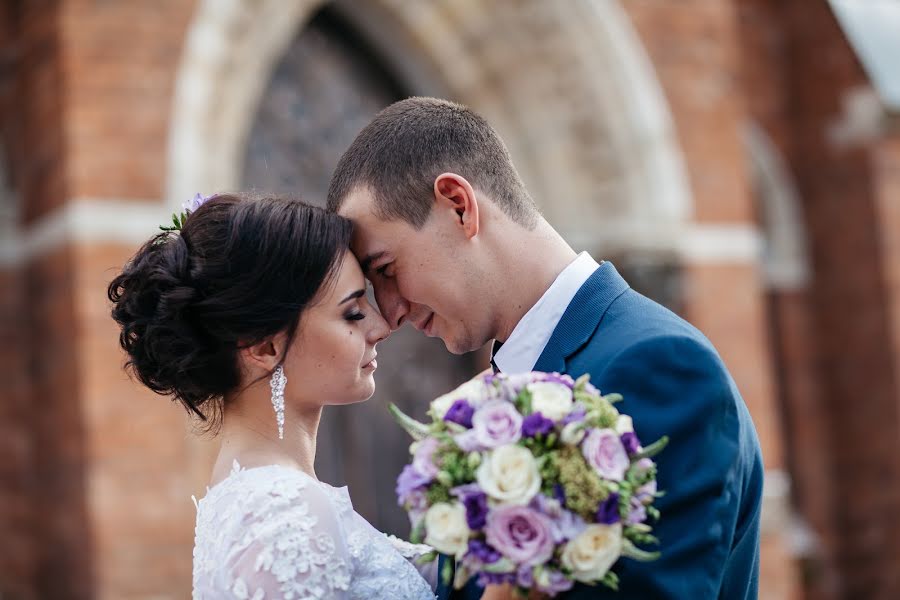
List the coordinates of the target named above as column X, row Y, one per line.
column 534, row 480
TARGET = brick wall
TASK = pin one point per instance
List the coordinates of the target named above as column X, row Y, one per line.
column 694, row 47
column 120, row 63
column 837, row 348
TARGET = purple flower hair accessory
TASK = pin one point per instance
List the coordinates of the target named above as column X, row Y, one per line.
column 191, row 206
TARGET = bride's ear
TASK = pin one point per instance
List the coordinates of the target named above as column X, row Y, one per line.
column 265, row 355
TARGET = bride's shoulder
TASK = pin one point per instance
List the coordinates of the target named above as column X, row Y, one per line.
column 263, row 490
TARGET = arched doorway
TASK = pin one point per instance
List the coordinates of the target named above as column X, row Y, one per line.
column 325, row 88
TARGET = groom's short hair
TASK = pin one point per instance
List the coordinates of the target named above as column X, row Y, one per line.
column 408, row 144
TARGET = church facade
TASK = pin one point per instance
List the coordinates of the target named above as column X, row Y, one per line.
column 736, row 159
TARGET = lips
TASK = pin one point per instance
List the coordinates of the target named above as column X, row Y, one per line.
column 426, row 325
column 372, row 364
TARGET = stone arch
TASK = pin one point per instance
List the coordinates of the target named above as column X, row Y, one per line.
column 587, row 122
column 785, row 260
column 799, row 502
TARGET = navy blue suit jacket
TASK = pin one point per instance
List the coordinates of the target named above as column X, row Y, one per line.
column 674, row 384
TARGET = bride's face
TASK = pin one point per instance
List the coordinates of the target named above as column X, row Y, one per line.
column 332, row 357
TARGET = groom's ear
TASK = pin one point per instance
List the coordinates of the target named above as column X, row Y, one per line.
column 453, row 192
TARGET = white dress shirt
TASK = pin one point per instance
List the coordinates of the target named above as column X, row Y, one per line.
column 527, row 341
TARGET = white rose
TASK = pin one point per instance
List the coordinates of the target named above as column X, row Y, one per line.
column 572, row 434
column 553, row 400
column 446, row 529
column 509, row 474
column 593, row 553
column 473, row 391
column 624, row 424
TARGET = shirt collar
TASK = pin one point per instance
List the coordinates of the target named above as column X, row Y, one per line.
column 527, row 341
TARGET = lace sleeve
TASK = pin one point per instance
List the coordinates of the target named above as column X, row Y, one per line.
column 295, row 548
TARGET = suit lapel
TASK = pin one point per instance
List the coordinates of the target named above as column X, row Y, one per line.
column 581, row 317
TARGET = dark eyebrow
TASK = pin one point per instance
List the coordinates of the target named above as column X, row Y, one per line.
column 366, row 263
column 353, row 296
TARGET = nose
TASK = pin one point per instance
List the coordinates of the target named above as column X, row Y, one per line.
column 379, row 330
column 392, row 305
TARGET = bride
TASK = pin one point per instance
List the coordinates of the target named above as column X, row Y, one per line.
column 254, row 317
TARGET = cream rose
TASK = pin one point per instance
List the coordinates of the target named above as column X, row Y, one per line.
column 473, row 391
column 593, row 553
column 573, row 433
column 509, row 474
column 446, row 529
column 624, row 424
column 553, row 400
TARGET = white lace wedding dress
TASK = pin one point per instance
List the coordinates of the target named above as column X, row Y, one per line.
column 275, row 532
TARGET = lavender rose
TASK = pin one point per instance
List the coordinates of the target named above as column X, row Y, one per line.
column 410, row 479
column 423, row 460
column 566, row 525
column 604, row 451
column 563, row 379
column 523, row 535
column 497, row 423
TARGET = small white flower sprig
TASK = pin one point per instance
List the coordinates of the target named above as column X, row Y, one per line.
column 189, row 207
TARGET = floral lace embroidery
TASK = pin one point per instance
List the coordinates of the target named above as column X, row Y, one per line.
column 274, row 532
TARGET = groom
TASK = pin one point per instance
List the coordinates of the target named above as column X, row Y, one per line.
column 453, row 244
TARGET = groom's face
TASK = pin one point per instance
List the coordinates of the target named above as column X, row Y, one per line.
column 426, row 277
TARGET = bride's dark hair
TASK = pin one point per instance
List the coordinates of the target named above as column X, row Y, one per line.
column 241, row 269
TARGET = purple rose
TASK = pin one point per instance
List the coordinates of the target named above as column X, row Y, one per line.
column 553, row 582
column 475, row 502
column 604, row 451
column 496, row 424
column 631, row 442
column 476, row 510
column 460, row 412
column 536, row 424
column 483, row 552
column 608, row 512
column 423, row 460
column 410, row 479
column 521, row 534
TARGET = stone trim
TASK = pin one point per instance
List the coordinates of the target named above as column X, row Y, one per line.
column 85, row 220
